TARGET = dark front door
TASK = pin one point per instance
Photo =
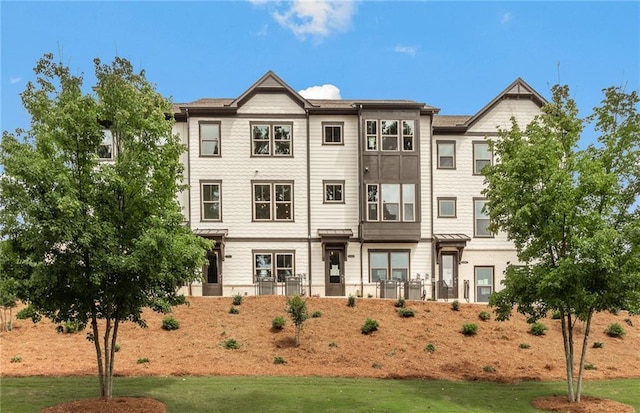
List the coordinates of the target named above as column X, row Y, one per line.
column 448, row 281
column 212, row 284
column 334, row 271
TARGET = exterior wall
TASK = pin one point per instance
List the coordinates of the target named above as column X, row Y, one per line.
column 524, row 110
column 426, row 203
column 183, row 197
column 271, row 104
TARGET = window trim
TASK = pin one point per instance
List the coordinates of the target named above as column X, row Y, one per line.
column 272, row 200
column 413, row 135
column 455, row 207
column 389, row 266
column 475, row 280
column 475, row 220
column 439, row 164
column 210, row 182
column 473, row 147
column 325, row 183
column 272, row 140
column 274, row 262
column 339, row 125
column 112, row 152
column 401, row 202
column 397, row 135
column 210, row 122
column 367, row 135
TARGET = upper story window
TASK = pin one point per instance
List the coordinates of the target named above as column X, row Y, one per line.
column 210, row 201
column 332, row 133
column 333, row 192
column 271, row 139
column 446, row 154
column 480, row 219
column 392, row 134
column 389, row 135
column 209, row 138
column 105, row 149
column 396, row 203
column 482, row 156
column 407, row 135
column 272, row 201
column 446, row 207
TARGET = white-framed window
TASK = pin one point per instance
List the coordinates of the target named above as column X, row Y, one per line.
column 480, row 219
column 482, row 156
column 209, row 138
column 408, row 128
column 484, row 283
column 447, row 207
column 272, row 201
column 271, row 139
column 388, row 265
column 273, row 264
column 396, row 201
column 446, row 154
column 211, row 204
column 332, row 133
column 371, row 135
column 333, row 192
column 389, row 135
column 105, row 149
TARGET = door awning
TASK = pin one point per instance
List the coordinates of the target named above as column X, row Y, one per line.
column 335, row 237
column 450, row 242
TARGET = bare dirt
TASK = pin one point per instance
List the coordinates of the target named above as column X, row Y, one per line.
column 331, row 345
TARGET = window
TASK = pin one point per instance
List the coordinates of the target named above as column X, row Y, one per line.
column 332, row 133
column 407, row 135
column 446, row 207
column 271, row 139
column 446, row 155
column 481, row 219
column 481, row 156
column 333, row 192
column 388, row 265
column 209, row 138
column 210, row 196
column 389, row 132
column 397, row 202
column 390, row 138
column 105, row 149
column 372, row 135
column 273, row 201
column 484, row 283
column 273, row 264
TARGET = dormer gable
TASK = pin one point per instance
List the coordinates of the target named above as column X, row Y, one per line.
column 270, row 83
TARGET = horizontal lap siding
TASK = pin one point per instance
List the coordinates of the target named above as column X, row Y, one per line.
column 425, row 177
column 271, row 103
column 524, row 110
column 183, row 197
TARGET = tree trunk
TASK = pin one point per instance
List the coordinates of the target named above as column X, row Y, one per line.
column 107, row 360
column 568, row 353
column 96, row 343
column 583, row 356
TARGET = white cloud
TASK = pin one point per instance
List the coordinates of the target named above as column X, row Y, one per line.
column 506, row 18
column 410, row 50
column 15, row 80
column 263, row 31
column 327, row 91
column 317, row 18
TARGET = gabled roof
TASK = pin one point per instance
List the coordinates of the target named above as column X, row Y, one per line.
column 270, row 82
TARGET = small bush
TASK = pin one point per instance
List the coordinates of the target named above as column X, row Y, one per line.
column 70, row 327
column 170, row 323
column 455, row 305
column 590, row 367
column 524, row 346
column 629, row 322
column 116, row 348
column 278, row 323
column 598, row 344
column 316, row 314
column 234, row 310
column 430, row 348
column 279, row 360
column 615, row 330
column 351, row 301
column 377, row 366
column 237, row 299
column 28, row 312
column 469, row 329
column 231, row 344
column 484, row 315
column 400, row 303
column 142, row 360
column 538, row 329
column 489, row 369
column 333, row 345
column 16, row 359
column 406, row 312
column 369, row 326
column 369, row 295
column 556, row 315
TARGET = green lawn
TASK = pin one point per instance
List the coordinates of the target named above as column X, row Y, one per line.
column 306, row 394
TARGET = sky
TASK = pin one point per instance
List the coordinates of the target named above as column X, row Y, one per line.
column 456, row 56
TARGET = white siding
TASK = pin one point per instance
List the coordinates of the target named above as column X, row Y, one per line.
column 499, row 117
column 425, row 177
column 269, row 104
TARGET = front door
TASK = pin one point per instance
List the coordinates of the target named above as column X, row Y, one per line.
column 448, row 282
column 334, row 271
column 212, row 284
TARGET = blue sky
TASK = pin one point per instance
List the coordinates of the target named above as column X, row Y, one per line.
column 453, row 55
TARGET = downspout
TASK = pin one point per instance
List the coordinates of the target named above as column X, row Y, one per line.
column 433, row 251
column 362, row 193
column 188, row 172
column 309, row 255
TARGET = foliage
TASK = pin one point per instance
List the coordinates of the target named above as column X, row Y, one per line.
column 538, row 329
column 231, row 344
column 484, row 315
column 28, row 313
column 279, row 360
column 80, row 232
column 15, row 359
column 615, row 330
column 400, row 303
column 117, row 347
column 71, row 327
column 572, row 214
column 142, row 360
column 369, row 326
column 170, row 323
column 430, row 348
column 351, row 301
column 524, row 346
column 598, row 344
column 297, row 309
column 469, row 329
column 234, row 310
column 316, row 314
column 333, row 345
column 556, row 315
column 455, row 305
column 8, row 286
column 278, row 323
column 237, row 299
column 590, row 367
column 406, row 312
column 629, row 322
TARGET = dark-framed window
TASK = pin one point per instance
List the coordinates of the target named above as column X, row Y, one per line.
column 211, row 200
column 278, row 265
column 408, row 133
column 391, row 202
column 105, row 149
column 272, row 201
column 271, row 139
column 209, row 138
column 332, row 133
column 446, row 154
column 333, row 192
column 482, row 156
column 481, row 219
column 389, row 135
column 389, row 265
column 447, row 207
column 484, row 278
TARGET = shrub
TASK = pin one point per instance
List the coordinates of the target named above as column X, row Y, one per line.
column 430, row 348
column 406, row 312
column 70, row 327
column 615, row 330
column 369, row 295
column 590, row 367
column 598, row 344
column 237, row 299
column 279, row 360
column 377, row 366
column 524, row 345
column 351, row 301
column 538, row 329
column 629, row 322
column 556, row 315
column 455, row 305
column 234, row 310
column 278, row 323
column 369, row 326
column 231, row 344
column 16, row 359
column 400, row 303
column 484, row 315
column 489, row 369
column 297, row 310
column 333, row 345
column 469, row 329
column 170, row 323
column 28, row 312
column 142, row 360
column 316, row 314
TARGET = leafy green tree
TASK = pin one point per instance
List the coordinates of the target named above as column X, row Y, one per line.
column 297, row 310
column 95, row 242
column 572, row 214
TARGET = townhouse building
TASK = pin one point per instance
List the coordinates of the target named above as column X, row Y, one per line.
column 377, row 198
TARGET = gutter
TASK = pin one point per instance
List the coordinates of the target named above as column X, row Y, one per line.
column 309, row 255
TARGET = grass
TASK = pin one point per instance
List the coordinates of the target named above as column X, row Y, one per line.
column 307, row 394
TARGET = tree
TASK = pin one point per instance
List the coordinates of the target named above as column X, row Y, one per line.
column 572, row 214
column 297, row 310
column 96, row 242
